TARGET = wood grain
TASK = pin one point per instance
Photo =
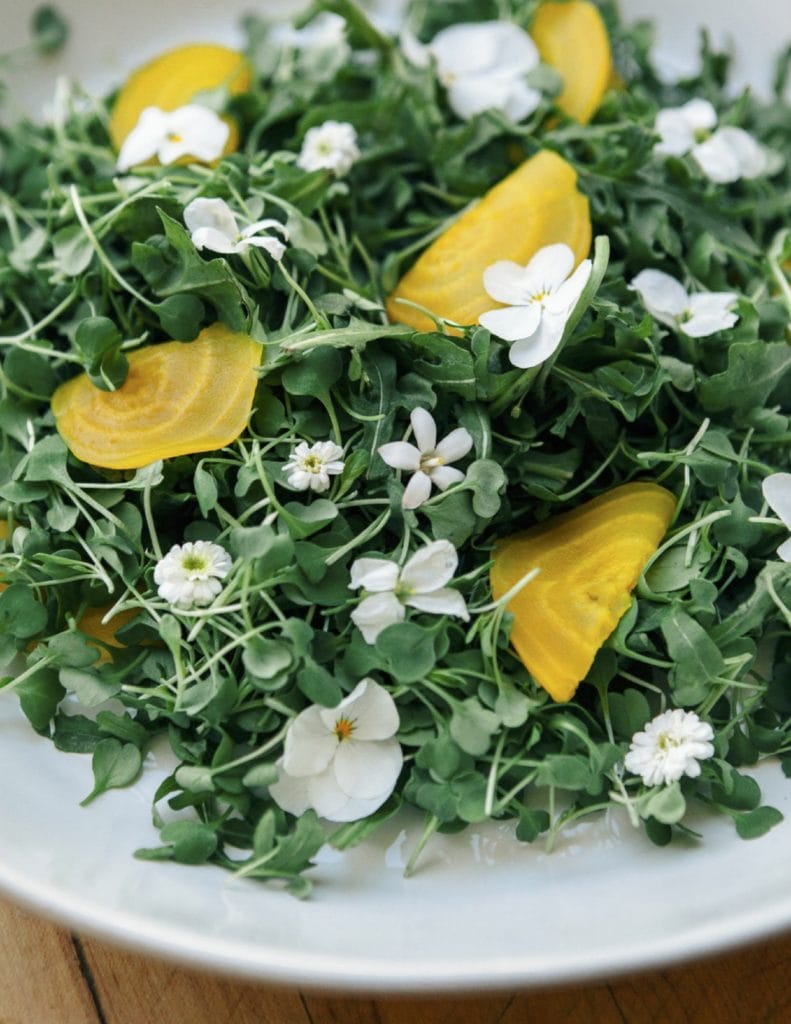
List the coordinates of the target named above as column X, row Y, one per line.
column 48, row 976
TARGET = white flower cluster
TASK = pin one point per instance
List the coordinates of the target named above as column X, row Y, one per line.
column 670, row 746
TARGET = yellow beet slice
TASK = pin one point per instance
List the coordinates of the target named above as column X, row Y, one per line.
column 173, row 80
column 90, row 622
column 589, row 560
column 178, row 398
column 571, row 37
column 538, row 204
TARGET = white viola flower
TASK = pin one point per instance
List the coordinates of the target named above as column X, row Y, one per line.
column 724, row 155
column 212, row 225
column 310, row 467
column 427, row 460
column 697, row 315
column 169, row 135
column 190, row 573
column 483, row 65
column 777, row 492
column 671, row 745
column 420, row 584
column 325, row 32
column 342, row 762
column 539, row 298
column 331, row 146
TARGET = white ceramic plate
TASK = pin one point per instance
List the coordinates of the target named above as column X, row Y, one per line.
column 483, row 911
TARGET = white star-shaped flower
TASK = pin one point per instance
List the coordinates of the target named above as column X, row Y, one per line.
column 191, row 130
column 213, row 226
column 696, row 315
column 539, row 300
column 777, row 492
column 190, row 573
column 331, row 146
column 427, row 460
column 310, row 467
column 344, row 761
column 671, row 745
column 483, row 67
column 420, row 584
column 724, row 155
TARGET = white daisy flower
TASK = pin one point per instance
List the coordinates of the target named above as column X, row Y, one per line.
column 420, row 584
column 310, row 467
column 427, row 460
column 777, row 492
column 697, row 315
column 724, row 155
column 213, row 226
column 191, row 130
column 539, row 298
column 331, row 146
column 483, row 67
column 190, row 573
column 344, row 761
column 671, row 745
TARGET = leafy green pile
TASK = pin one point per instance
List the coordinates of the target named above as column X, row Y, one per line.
column 93, row 264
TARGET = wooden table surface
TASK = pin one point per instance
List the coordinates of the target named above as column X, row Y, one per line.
column 50, row 976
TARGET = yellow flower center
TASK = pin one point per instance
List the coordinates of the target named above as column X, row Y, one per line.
column 344, row 729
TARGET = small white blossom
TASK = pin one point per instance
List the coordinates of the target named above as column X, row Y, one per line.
column 344, row 761
column 671, row 745
column 777, row 492
column 190, row 573
column 331, row 146
column 213, row 226
column 696, row 315
column 724, row 155
column 325, row 32
column 191, row 130
column 483, row 65
column 427, row 460
column 310, row 467
column 539, row 298
column 420, row 584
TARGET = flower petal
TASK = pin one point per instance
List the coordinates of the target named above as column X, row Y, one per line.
column 441, row 602
column 455, row 446
column 273, row 246
column 784, row 551
column 425, row 429
column 142, row 143
column 749, row 153
column 699, row 114
column 430, row 567
column 417, row 490
column 215, row 214
column 777, row 492
column 676, row 134
column 718, row 160
column 374, row 574
column 445, row 476
column 400, row 455
column 290, row 792
column 563, row 301
column 513, row 322
column 472, row 94
column 549, row 268
column 309, row 745
column 368, row 770
column 506, row 282
column 214, row 241
column 370, row 707
column 709, row 313
column 375, row 613
column 330, row 802
column 532, row 351
column 662, row 295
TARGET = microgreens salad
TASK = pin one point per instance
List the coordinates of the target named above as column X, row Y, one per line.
column 396, row 413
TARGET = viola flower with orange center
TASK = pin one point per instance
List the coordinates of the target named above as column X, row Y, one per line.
column 342, row 762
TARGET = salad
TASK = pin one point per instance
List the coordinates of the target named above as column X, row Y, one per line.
column 395, row 413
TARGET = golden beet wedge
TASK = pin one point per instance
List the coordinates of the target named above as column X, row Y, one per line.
column 571, row 37
column 173, row 80
column 538, row 204
column 589, row 560
column 178, row 398
column 90, row 623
